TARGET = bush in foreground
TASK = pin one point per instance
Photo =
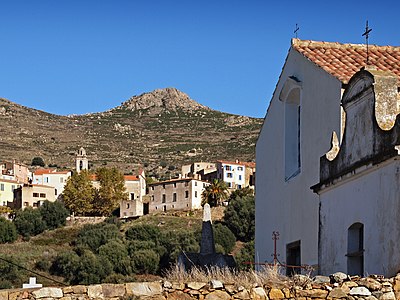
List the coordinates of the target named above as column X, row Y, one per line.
column 8, row 231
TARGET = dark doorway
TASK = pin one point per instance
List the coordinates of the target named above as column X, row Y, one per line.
column 145, row 208
column 355, row 249
column 293, row 258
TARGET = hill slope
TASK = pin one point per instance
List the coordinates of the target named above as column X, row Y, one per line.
column 163, row 125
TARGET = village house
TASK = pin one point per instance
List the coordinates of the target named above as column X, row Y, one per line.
column 303, row 122
column 199, row 170
column 51, row 177
column 237, row 174
column 32, row 195
column 176, row 194
column 14, row 171
column 7, row 188
column 134, row 206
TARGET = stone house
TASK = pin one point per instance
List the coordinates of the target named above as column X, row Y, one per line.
column 32, row 195
column 51, row 177
column 303, row 120
column 198, row 170
column 176, row 194
column 135, row 205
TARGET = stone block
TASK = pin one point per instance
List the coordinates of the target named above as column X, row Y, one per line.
column 144, row 288
column 243, row 295
column 66, row 298
column 48, row 292
column 3, row 295
column 216, row 284
column 113, row 290
column 218, row 295
column 276, row 294
column 178, row 295
column 178, row 286
column 230, row 288
column 370, row 283
column 258, row 293
column 79, row 289
column 195, row 285
column 317, row 293
column 388, row 296
column 13, row 295
column 360, row 291
column 95, row 291
column 337, row 293
column 67, row 290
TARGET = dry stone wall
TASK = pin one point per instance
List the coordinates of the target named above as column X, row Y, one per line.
column 337, row 286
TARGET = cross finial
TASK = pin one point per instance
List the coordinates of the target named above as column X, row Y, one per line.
column 366, row 34
column 295, row 30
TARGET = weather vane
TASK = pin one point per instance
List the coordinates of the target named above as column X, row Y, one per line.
column 295, row 30
column 366, row 34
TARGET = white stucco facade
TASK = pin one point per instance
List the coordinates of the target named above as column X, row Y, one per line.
column 372, row 199
column 53, row 178
column 359, row 190
column 285, row 202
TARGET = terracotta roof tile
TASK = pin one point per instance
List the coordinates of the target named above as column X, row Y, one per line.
column 131, row 177
column 343, row 60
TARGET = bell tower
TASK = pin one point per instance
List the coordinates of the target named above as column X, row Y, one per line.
column 81, row 160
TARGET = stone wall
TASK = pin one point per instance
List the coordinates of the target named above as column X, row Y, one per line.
column 337, row 286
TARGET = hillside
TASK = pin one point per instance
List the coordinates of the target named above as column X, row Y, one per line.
column 161, row 126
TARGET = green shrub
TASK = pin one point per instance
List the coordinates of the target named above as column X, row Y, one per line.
column 38, row 161
column 65, row 265
column 146, row 261
column 173, row 242
column 136, row 245
column 224, row 237
column 29, row 222
column 10, row 275
column 117, row 254
column 246, row 254
column 8, row 231
column 91, row 269
column 94, row 236
column 54, row 214
column 143, row 233
column 239, row 217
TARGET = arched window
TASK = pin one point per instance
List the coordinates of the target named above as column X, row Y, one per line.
column 291, row 97
column 355, row 249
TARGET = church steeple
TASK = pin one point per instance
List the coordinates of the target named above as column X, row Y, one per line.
column 81, row 160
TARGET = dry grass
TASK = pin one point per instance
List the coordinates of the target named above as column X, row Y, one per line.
column 270, row 276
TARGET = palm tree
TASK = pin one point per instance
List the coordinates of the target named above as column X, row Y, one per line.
column 215, row 193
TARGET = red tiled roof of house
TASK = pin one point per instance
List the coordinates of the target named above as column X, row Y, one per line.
column 39, row 172
column 43, row 171
column 240, row 163
column 131, row 177
column 343, row 60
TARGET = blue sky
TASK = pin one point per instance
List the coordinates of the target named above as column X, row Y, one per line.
column 75, row 57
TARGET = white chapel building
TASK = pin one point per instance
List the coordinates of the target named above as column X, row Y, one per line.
column 304, row 119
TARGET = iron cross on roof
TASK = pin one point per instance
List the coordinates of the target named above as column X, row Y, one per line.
column 366, row 34
column 296, row 29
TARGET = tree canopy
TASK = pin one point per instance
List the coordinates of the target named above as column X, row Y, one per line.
column 215, row 193
column 79, row 193
column 239, row 217
column 38, row 161
column 112, row 190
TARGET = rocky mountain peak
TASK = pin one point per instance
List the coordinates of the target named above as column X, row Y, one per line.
column 167, row 98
